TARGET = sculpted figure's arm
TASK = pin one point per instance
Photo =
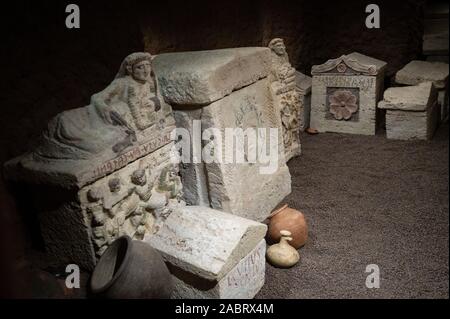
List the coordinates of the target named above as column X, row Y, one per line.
column 101, row 100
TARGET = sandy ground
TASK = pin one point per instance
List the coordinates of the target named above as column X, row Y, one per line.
column 369, row 200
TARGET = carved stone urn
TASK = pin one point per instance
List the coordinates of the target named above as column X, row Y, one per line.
column 131, row 269
column 282, row 254
column 286, row 218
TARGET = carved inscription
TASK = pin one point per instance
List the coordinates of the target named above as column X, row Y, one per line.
column 122, row 160
column 364, row 83
column 248, row 269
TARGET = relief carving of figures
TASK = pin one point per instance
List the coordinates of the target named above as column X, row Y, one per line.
column 282, row 79
column 142, row 211
column 113, row 119
column 281, row 71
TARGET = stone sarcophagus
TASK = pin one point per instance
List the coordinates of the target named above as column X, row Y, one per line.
column 212, row 254
column 412, row 112
column 345, row 92
column 416, row 72
column 224, row 100
column 104, row 170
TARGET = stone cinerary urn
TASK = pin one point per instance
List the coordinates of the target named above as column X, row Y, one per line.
column 103, row 170
column 212, row 254
column 416, row 72
column 221, row 90
column 345, row 92
column 412, row 112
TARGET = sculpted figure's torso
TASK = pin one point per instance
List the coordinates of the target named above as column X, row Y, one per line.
column 112, row 120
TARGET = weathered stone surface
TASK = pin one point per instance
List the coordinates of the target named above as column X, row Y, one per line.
column 77, row 226
column 242, row 188
column 354, row 63
column 68, row 173
column 127, row 120
column 409, row 98
column 411, row 112
column 286, row 98
column 345, row 92
column 242, row 282
column 193, row 174
column 303, row 85
column 416, row 72
column 202, row 77
column 403, row 125
column 110, row 160
column 212, row 254
column 367, row 60
column 206, row 243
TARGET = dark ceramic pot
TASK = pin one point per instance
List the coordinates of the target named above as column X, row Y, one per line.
column 131, row 269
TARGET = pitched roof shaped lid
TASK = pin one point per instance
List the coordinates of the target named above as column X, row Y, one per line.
column 351, row 64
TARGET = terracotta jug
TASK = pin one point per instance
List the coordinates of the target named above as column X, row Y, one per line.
column 286, row 218
column 282, row 254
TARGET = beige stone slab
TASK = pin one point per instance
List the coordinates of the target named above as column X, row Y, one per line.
column 410, row 98
column 77, row 173
column 303, row 83
column 248, row 189
column 406, row 125
column 202, row 77
column 416, row 72
column 205, row 242
column 244, row 188
column 242, row 282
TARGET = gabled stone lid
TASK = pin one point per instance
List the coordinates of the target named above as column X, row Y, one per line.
column 409, row 98
column 416, row 72
column 352, row 64
column 202, row 77
column 206, row 242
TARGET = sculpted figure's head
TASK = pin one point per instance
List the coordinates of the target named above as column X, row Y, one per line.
column 114, row 184
column 277, row 46
column 138, row 177
column 94, row 194
column 138, row 65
